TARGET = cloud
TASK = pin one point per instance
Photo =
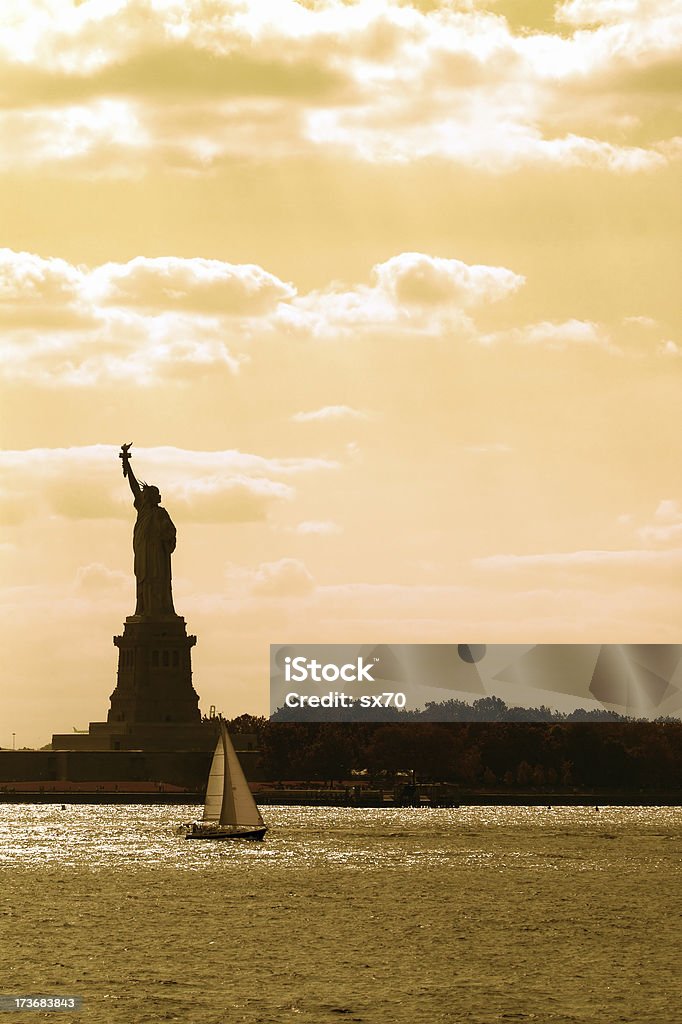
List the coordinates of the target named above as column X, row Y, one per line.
column 119, row 348
column 221, row 499
column 176, row 320
column 99, row 139
column 286, row 578
column 666, row 527
column 116, row 88
column 413, row 293
column 319, row 528
column 413, row 278
column 84, row 483
column 660, row 532
column 40, row 291
column 166, row 458
column 644, row 563
column 559, row 336
column 97, row 580
column 147, row 320
column 499, row 148
column 330, row 413
column 73, row 498
column 668, row 511
column 177, row 70
column 593, row 12
column 641, row 321
column 142, row 321
column 642, row 336
column 200, row 285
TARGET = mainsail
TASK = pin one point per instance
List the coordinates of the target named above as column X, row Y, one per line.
column 239, row 807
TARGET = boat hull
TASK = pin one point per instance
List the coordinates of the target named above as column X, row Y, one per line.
column 227, row 833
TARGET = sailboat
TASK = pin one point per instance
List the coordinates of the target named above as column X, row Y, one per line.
column 230, row 812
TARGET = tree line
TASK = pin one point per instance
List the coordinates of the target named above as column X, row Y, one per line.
column 628, row 755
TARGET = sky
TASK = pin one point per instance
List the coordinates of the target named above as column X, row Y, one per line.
column 386, row 296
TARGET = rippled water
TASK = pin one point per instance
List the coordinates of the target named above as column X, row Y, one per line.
column 473, row 915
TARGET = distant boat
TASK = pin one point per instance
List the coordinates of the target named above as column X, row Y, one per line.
column 230, row 812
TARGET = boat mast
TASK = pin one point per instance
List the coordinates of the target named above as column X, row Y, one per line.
column 228, row 812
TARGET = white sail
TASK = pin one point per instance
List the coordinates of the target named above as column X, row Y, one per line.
column 238, row 805
column 216, row 784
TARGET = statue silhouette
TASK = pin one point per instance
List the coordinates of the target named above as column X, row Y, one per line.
column 153, row 542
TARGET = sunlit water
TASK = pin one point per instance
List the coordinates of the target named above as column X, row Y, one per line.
column 476, row 915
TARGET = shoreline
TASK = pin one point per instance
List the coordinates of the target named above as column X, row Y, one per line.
column 337, row 798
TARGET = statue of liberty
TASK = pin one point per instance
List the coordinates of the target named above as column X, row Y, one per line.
column 153, row 543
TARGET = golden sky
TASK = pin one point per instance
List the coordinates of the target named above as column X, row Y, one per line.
column 386, row 295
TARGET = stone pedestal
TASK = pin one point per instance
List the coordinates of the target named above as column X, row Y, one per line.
column 154, row 680
column 154, row 706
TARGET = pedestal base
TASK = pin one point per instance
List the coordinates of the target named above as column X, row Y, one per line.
column 154, row 681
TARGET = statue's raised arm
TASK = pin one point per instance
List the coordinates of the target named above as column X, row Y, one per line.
column 125, row 457
column 153, row 544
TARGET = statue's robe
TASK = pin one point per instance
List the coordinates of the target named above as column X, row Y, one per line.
column 153, row 542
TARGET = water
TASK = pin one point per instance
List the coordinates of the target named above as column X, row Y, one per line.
column 476, row 915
